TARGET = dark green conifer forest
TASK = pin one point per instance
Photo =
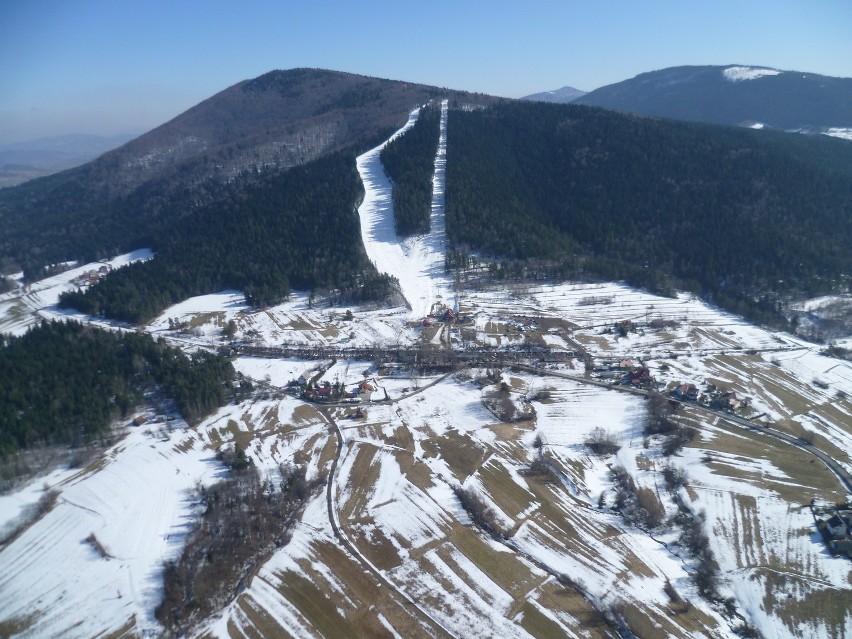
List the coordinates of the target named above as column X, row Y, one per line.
column 297, row 229
column 738, row 216
column 65, row 383
column 409, row 161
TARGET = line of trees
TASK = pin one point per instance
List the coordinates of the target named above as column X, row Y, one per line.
column 245, row 519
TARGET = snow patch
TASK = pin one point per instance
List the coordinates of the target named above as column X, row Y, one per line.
column 739, row 74
column 844, row 133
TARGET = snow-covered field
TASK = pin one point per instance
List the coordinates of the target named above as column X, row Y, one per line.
column 136, row 503
column 565, row 564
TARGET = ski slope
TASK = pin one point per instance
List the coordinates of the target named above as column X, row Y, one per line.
column 418, row 261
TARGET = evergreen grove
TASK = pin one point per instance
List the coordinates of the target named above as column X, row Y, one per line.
column 66, row 383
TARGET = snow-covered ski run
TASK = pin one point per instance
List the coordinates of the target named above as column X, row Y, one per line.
column 417, row 262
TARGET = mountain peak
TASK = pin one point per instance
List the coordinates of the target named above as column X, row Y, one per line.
column 562, row 96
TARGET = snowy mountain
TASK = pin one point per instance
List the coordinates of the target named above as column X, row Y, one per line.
column 457, row 500
column 736, row 95
column 561, row 96
column 264, row 125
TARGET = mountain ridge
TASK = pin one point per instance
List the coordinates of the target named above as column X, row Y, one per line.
column 735, row 95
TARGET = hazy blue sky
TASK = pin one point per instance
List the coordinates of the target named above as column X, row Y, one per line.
column 115, row 66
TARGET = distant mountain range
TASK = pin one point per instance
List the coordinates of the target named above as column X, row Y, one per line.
column 560, row 96
column 22, row 161
column 735, row 95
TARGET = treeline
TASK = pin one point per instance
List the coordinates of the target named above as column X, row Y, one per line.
column 296, row 229
column 409, row 161
column 738, row 216
column 65, row 383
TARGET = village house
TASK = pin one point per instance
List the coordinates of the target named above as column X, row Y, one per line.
column 637, row 376
column 842, row 547
column 685, row 392
column 838, row 524
column 730, row 401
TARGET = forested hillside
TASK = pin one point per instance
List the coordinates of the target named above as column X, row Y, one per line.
column 297, row 229
column 409, row 161
column 130, row 197
column 735, row 215
column 64, row 383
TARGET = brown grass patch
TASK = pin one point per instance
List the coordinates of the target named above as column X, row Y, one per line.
column 643, row 463
column 820, row 605
column 375, row 545
column 316, row 606
column 511, row 432
column 186, row 445
column 326, row 454
column 597, row 341
column 503, row 568
column 300, row 324
column 554, row 596
column 217, row 318
column 418, row 473
column 16, row 625
column 401, row 437
column 237, row 436
column 461, row 452
column 364, row 473
column 305, row 413
column 261, row 624
column 364, row 598
column 127, row 630
column 647, row 622
column 539, row 625
column 509, row 496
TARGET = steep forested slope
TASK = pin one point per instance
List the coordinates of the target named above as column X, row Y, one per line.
column 293, row 229
column 730, row 213
column 734, row 95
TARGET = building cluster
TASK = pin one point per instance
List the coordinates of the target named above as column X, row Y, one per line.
column 325, row 391
column 446, row 314
column 714, row 397
column 91, row 277
column 626, row 372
